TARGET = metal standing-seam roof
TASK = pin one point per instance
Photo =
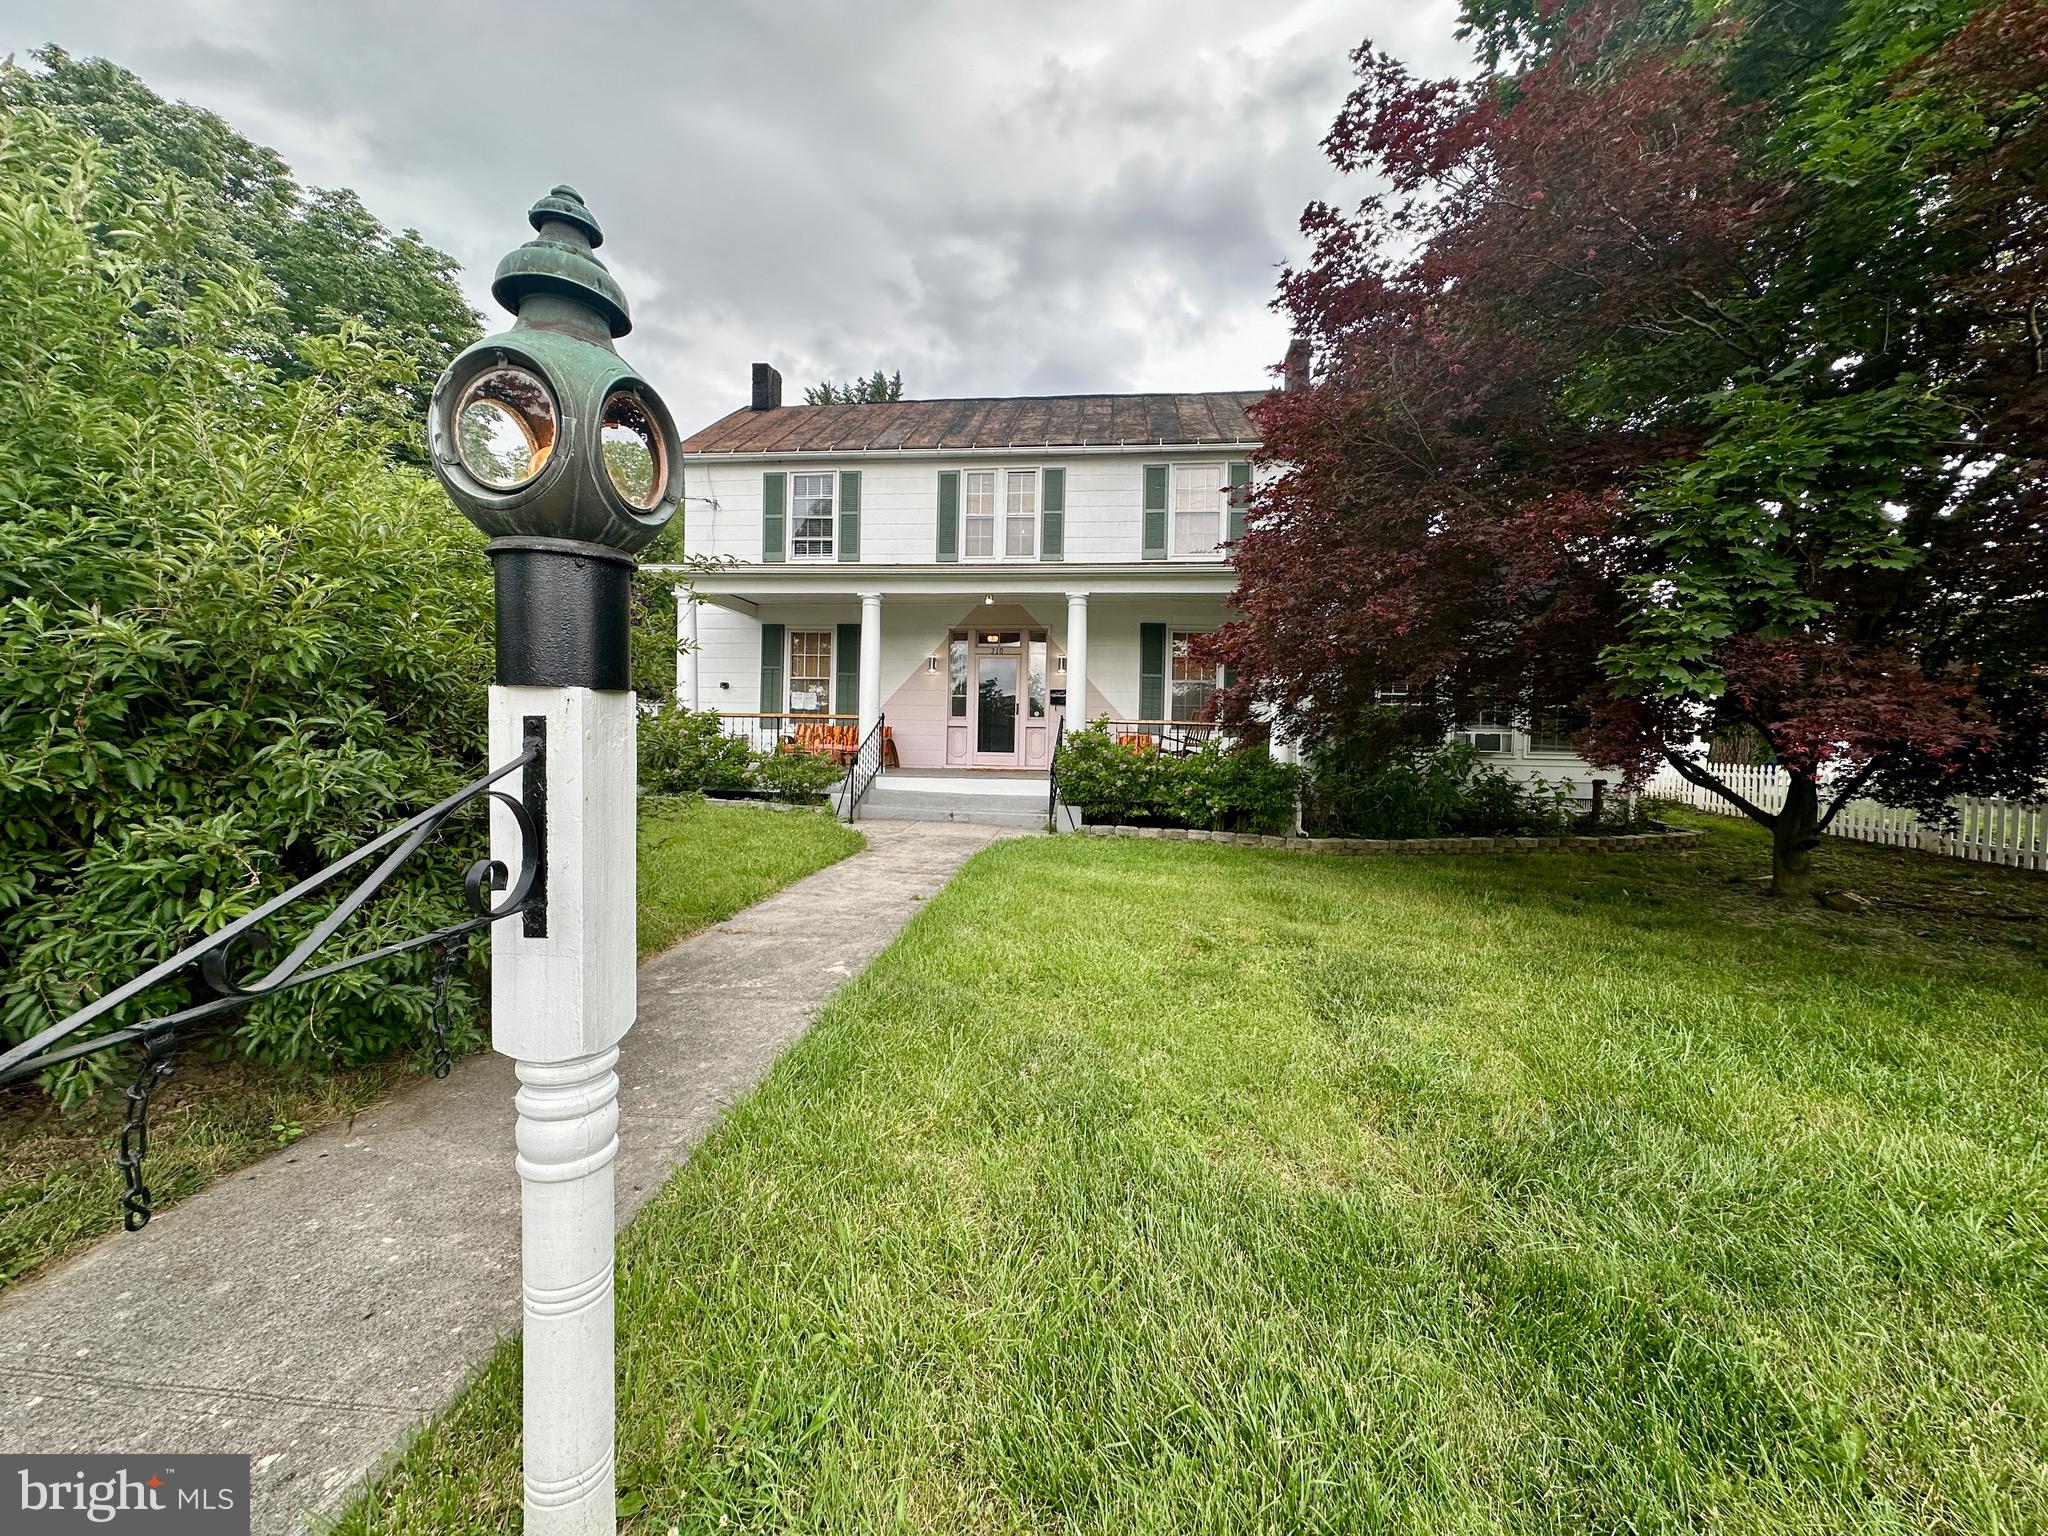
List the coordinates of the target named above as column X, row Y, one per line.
column 1036, row 421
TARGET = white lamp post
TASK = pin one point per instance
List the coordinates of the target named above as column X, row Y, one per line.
column 550, row 444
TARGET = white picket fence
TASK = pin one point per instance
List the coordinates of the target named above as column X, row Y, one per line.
column 1987, row 831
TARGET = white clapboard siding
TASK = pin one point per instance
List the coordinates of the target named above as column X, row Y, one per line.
column 1986, row 831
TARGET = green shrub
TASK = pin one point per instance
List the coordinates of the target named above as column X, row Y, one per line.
column 1232, row 790
column 1109, row 782
column 1434, row 789
column 797, row 776
column 687, row 751
column 235, row 640
column 1214, row 788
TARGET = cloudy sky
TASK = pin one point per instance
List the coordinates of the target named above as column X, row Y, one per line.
column 996, row 198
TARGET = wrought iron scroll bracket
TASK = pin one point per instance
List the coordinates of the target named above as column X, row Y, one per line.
column 491, row 892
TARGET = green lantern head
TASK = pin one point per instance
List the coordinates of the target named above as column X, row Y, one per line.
column 543, row 431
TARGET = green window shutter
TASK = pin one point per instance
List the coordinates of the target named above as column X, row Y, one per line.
column 773, row 484
column 1155, row 514
column 772, row 642
column 1151, row 671
column 1240, row 484
column 849, row 514
column 846, row 670
column 949, row 514
column 1052, row 531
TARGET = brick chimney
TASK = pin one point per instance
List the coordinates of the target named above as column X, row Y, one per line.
column 767, row 388
column 1294, row 370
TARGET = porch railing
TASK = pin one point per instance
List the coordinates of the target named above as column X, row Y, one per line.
column 1052, row 776
column 1174, row 738
column 862, row 771
column 766, row 733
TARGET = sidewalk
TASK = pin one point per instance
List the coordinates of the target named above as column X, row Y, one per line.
column 311, row 1309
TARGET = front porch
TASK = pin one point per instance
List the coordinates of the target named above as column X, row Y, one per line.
column 973, row 671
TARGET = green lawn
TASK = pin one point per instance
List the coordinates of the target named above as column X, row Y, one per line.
column 703, row 860
column 59, row 1188
column 1148, row 1186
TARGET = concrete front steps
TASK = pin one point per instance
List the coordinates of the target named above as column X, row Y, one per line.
column 982, row 799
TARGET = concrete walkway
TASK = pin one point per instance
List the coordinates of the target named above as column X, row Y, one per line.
column 310, row 1310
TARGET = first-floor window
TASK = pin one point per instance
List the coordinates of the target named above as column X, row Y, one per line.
column 810, row 672
column 1551, row 731
column 1198, row 509
column 1194, row 683
column 810, row 506
column 978, row 514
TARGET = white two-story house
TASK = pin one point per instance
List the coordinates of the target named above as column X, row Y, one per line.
column 975, row 571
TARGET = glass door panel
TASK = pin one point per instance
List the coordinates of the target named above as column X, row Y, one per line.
column 995, row 692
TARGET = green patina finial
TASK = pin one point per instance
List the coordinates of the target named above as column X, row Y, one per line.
column 558, row 262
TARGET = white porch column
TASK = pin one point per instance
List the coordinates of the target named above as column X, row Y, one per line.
column 870, row 661
column 1077, row 660
column 562, row 999
column 686, row 651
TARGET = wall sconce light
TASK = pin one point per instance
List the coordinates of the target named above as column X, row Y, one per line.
column 989, row 601
column 1060, row 665
column 931, row 663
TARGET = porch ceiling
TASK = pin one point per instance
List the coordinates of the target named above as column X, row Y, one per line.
column 764, row 583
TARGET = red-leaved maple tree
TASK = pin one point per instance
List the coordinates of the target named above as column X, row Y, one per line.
column 1687, row 382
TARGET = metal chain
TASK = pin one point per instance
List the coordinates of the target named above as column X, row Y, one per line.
column 156, row 1066
column 447, row 954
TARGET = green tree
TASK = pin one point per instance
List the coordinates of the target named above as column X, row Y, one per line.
column 325, row 260
column 236, row 638
column 1684, row 373
column 873, row 389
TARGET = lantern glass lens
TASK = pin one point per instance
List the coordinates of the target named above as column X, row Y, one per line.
column 632, row 450
column 505, row 428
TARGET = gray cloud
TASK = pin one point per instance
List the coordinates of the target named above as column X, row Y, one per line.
column 1069, row 195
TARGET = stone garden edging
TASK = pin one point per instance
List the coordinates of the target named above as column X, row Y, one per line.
column 1620, row 842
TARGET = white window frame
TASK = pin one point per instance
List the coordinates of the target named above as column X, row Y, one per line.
column 999, row 502
column 1029, row 520
column 1173, row 639
column 1215, row 553
column 789, row 670
column 995, row 510
column 831, row 479
column 1545, row 738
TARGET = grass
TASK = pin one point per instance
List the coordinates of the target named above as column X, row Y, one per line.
column 1149, row 1186
column 60, row 1189
column 703, row 860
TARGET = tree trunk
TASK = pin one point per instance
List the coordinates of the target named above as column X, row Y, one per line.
column 1795, row 833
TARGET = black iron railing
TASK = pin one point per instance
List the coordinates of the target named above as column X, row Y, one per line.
column 861, row 770
column 210, row 960
column 1052, row 776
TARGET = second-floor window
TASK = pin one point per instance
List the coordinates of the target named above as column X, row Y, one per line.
column 1198, row 491
column 1020, row 515
column 810, row 524
column 999, row 514
column 978, row 514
